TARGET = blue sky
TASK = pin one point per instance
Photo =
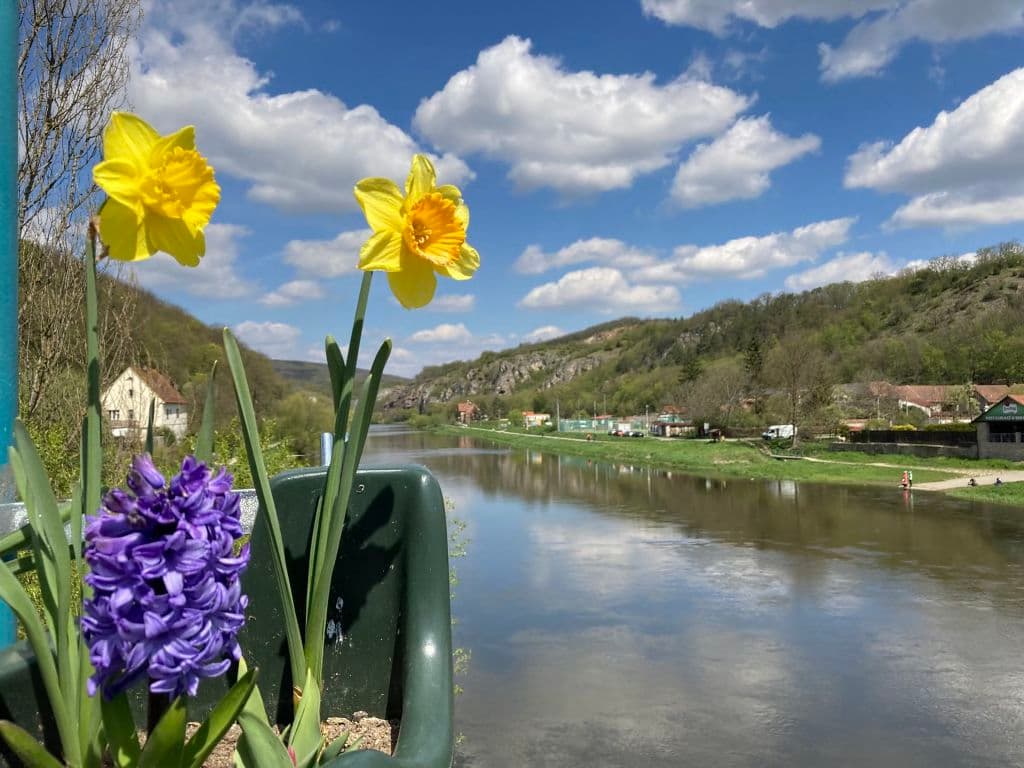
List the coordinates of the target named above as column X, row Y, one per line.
column 635, row 157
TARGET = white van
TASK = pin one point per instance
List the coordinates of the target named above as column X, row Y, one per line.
column 779, row 432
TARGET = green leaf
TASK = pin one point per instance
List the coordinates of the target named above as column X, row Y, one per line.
column 28, row 750
column 261, row 748
column 12, row 593
column 91, row 456
column 268, row 514
column 150, row 426
column 333, row 521
column 220, row 720
column 166, row 743
column 334, row 749
column 305, row 734
column 335, row 367
column 204, row 438
column 119, row 728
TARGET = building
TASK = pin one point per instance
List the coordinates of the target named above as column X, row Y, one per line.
column 1000, row 429
column 126, row 402
column 467, row 412
column 531, row 419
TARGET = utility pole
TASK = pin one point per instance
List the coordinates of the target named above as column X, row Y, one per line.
column 558, row 416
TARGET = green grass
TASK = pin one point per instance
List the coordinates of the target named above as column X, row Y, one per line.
column 728, row 459
column 1008, row 493
column 820, row 450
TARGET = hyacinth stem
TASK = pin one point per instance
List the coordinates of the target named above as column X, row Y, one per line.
column 157, row 705
column 91, row 428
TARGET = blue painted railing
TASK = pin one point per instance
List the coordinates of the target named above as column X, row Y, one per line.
column 8, row 258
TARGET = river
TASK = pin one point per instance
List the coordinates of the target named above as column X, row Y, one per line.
column 619, row 616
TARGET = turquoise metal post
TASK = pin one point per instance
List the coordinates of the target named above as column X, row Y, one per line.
column 8, row 257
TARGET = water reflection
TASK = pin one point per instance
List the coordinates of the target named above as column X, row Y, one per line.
column 622, row 616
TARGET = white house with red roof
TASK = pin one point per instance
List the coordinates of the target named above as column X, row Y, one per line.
column 126, row 402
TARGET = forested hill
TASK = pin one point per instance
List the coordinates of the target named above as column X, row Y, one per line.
column 953, row 321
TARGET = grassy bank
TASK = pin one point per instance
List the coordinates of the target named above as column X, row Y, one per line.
column 1008, row 493
column 700, row 457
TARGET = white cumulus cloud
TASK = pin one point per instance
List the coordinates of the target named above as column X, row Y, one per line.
column 217, row 275
column 293, row 292
column 964, row 169
column 299, row 150
column 596, row 250
column 750, row 257
column 443, row 333
column 737, row 164
column 453, row 302
column 543, row 333
column 875, row 41
column 603, row 289
column 576, row 132
column 883, row 29
column 846, row 267
column 276, row 340
column 327, row 258
column 718, row 15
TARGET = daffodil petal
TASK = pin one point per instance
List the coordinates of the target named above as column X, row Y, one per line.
column 122, row 232
column 462, row 215
column 119, row 179
column 382, row 252
column 463, row 267
column 173, row 236
column 129, row 137
column 184, row 138
column 381, row 201
column 450, row 192
column 421, row 178
column 414, row 284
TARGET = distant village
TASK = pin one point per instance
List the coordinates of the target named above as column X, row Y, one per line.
column 968, row 420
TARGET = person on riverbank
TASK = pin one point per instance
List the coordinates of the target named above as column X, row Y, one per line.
column 972, row 482
column 904, row 481
column 910, row 478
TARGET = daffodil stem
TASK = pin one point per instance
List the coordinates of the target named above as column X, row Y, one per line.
column 357, row 325
column 91, row 428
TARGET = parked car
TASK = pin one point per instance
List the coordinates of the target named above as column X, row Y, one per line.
column 779, row 432
column 634, row 433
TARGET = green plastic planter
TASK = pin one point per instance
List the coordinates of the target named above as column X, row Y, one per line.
column 390, row 600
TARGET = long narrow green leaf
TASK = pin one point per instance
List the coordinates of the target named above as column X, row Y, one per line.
column 90, row 716
column 150, row 426
column 119, row 728
column 334, row 518
column 91, row 458
column 357, row 327
column 165, row 744
column 53, row 563
column 204, row 438
column 305, row 735
column 77, row 521
column 268, row 514
column 29, row 751
column 12, row 593
column 220, row 720
column 260, row 747
column 335, row 367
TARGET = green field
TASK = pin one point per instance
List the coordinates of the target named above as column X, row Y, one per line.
column 732, row 458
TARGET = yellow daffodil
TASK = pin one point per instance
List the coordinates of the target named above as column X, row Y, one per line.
column 160, row 192
column 416, row 234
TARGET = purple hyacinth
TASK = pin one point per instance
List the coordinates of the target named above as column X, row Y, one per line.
column 167, row 602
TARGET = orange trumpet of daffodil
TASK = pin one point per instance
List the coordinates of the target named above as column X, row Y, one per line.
column 160, row 192
column 417, row 234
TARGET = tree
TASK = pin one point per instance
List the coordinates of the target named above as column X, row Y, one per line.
column 797, row 366
column 72, row 71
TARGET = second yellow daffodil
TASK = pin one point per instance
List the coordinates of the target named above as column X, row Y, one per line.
column 160, row 192
column 417, row 234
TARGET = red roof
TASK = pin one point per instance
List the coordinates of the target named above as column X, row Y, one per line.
column 161, row 386
column 991, row 392
column 923, row 394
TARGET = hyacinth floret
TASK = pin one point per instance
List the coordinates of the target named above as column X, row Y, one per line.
column 167, row 602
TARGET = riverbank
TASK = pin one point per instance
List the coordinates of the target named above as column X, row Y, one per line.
column 739, row 458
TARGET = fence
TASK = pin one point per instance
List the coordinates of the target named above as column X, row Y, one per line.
column 915, row 437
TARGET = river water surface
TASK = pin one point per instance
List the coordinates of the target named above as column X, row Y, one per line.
column 620, row 616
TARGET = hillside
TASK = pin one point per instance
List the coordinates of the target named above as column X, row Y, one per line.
column 315, row 377
column 953, row 321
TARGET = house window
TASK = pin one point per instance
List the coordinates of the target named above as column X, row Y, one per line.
column 131, row 415
column 113, row 415
column 131, row 392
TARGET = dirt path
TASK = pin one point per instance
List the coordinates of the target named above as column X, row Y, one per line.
column 983, row 475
